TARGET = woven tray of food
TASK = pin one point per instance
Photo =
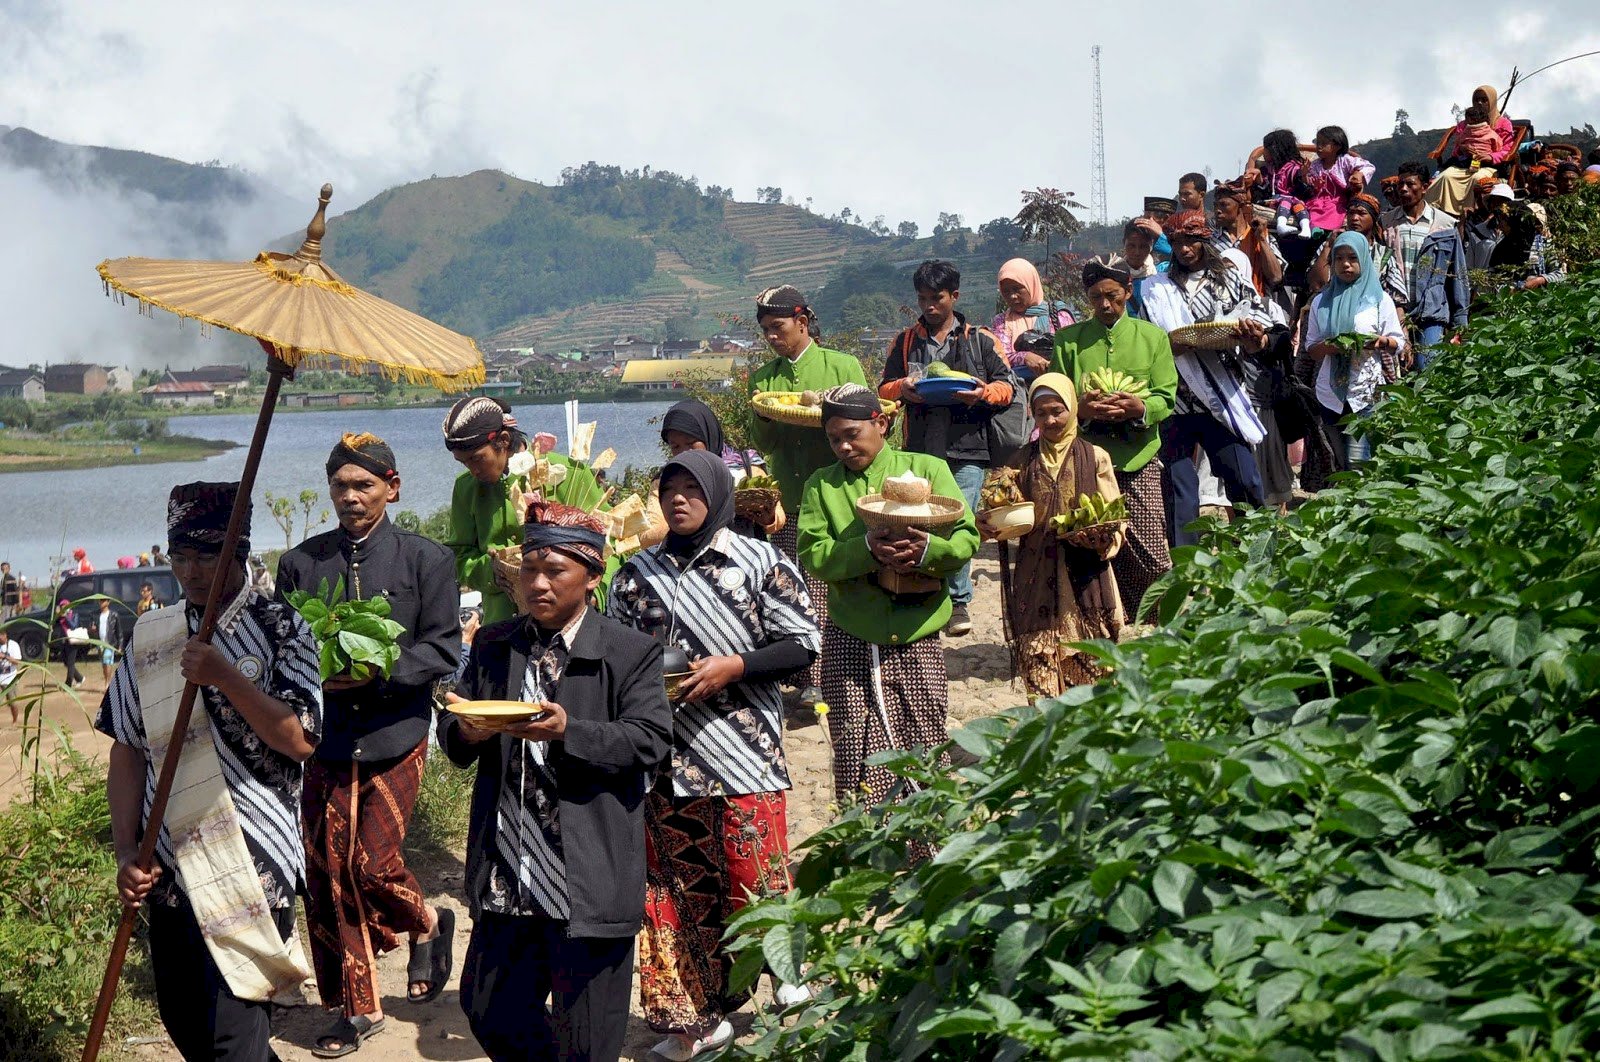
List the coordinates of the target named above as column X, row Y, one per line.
column 908, row 500
column 800, row 409
column 1208, row 335
column 1096, row 537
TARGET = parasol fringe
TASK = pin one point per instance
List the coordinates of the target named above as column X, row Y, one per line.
column 266, row 265
column 473, row 377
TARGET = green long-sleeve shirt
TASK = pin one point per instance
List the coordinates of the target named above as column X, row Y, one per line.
column 483, row 518
column 833, row 547
column 1139, row 349
column 794, row 453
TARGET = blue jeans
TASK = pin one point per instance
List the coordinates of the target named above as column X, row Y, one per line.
column 1231, row 461
column 1429, row 336
column 969, row 477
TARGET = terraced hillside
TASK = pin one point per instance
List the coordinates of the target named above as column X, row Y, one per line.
column 787, row 245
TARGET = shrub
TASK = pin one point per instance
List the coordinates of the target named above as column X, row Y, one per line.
column 58, row 913
column 1341, row 804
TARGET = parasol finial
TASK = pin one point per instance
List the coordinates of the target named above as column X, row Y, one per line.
column 311, row 249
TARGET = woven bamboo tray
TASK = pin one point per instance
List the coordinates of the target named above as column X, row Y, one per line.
column 1096, row 537
column 756, row 503
column 1209, row 335
column 946, row 511
column 766, row 403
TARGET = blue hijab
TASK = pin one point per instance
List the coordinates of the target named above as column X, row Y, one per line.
column 1341, row 302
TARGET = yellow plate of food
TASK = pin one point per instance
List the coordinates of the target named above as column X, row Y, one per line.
column 492, row 714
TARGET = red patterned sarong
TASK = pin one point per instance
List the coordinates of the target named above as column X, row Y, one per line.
column 705, row 858
column 359, row 894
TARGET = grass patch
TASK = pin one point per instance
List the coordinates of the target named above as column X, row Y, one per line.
column 41, row 455
column 439, row 822
column 58, row 913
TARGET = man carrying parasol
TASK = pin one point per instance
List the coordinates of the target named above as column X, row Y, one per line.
column 229, row 860
column 362, row 784
column 883, row 671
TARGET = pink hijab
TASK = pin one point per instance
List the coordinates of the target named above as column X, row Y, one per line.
column 1022, row 271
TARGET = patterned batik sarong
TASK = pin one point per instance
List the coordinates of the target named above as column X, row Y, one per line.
column 705, row 859
column 360, row 896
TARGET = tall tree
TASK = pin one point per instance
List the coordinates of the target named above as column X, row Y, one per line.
column 907, row 230
column 1047, row 213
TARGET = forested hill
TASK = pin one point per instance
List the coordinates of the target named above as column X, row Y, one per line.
column 602, row 254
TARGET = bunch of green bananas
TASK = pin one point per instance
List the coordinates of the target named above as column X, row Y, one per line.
column 1091, row 509
column 939, row 368
column 1116, row 382
column 758, row 483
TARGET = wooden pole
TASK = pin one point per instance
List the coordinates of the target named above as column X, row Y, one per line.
column 277, row 370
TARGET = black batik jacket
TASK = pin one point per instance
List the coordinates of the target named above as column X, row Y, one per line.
column 619, row 731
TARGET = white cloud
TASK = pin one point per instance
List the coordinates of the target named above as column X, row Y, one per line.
column 893, row 108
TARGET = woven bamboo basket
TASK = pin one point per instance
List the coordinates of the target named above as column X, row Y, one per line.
column 1096, row 537
column 766, row 403
column 756, row 503
column 1209, row 335
column 945, row 511
column 508, row 574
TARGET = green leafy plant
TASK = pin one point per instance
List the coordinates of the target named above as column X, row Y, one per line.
column 354, row 638
column 58, row 913
column 1341, row 803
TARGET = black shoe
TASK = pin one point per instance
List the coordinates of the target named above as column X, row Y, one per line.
column 960, row 623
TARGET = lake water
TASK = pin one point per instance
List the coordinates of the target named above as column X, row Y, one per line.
column 122, row 510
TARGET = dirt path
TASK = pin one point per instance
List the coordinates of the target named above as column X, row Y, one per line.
column 978, row 665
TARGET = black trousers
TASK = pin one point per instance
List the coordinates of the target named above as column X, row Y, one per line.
column 204, row 1018
column 513, row 963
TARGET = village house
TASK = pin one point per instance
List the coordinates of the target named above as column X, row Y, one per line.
column 329, row 399
column 21, row 383
column 224, row 378
column 119, row 379
column 632, row 348
column 173, row 393
column 678, row 349
column 75, row 378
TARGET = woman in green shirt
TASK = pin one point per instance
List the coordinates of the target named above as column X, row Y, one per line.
column 883, row 671
column 1124, row 425
column 481, row 434
column 792, row 453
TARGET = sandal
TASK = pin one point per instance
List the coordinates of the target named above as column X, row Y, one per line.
column 347, row 1034
column 432, row 961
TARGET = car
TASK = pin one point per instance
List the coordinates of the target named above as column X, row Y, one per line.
column 34, row 630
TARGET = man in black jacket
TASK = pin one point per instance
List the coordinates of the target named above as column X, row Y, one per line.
column 555, row 844
column 362, row 783
column 959, row 432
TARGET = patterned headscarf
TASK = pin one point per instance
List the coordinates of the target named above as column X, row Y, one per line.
column 197, row 517
column 850, row 401
column 1107, row 267
column 566, row 529
column 474, row 421
column 1188, row 223
column 783, row 298
column 366, row 451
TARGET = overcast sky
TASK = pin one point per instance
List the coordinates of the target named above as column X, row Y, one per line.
column 849, row 103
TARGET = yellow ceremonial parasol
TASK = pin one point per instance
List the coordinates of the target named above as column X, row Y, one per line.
column 297, row 308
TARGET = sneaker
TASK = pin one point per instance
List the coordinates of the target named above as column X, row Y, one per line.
column 960, row 623
column 791, row 996
column 680, row 1047
column 810, row 697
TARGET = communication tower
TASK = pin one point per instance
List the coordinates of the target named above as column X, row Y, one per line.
column 1097, row 176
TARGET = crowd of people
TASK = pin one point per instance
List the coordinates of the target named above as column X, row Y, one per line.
column 641, row 801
